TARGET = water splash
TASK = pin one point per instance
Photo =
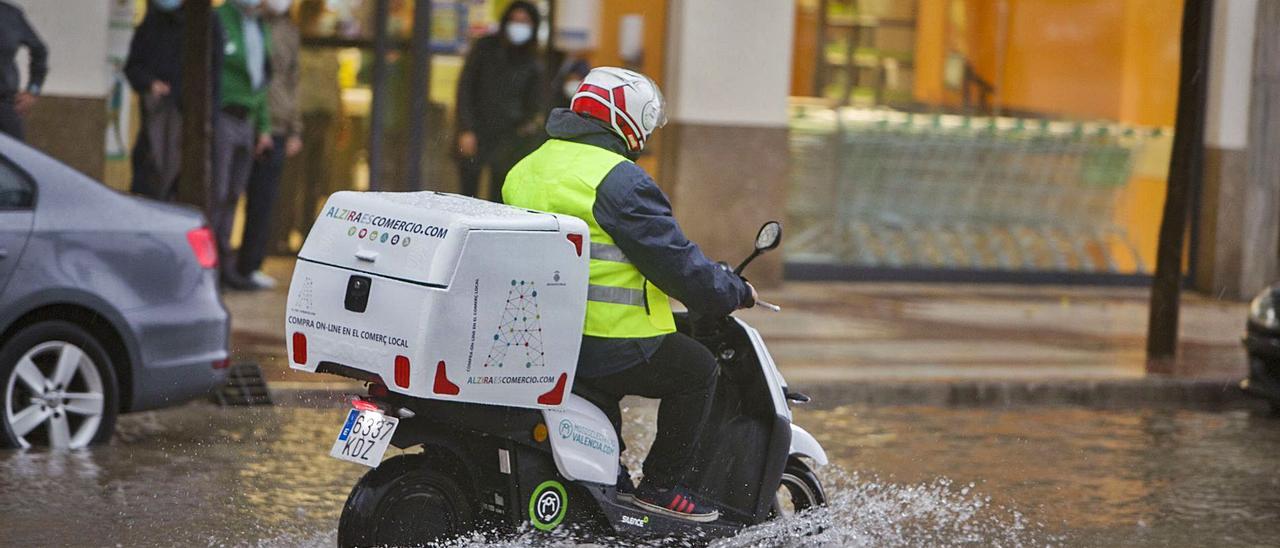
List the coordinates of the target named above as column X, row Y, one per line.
column 861, row 511
column 868, row 511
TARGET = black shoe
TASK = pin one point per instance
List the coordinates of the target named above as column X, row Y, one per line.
column 676, row 502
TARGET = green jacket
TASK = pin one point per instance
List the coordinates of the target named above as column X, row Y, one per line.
column 237, row 87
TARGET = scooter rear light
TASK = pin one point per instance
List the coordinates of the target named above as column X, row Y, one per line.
column 556, row 395
column 378, row 390
column 402, row 371
column 222, row 364
column 443, row 385
column 299, row 348
column 576, row 239
column 362, row 404
column 201, row 241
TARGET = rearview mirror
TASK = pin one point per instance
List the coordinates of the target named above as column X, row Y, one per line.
column 769, row 237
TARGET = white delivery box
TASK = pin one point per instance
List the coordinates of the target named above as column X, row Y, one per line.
column 441, row 296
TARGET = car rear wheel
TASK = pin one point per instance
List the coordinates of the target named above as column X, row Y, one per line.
column 59, row 388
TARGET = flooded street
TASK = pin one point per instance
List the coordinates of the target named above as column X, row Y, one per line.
column 1069, row 475
column 207, row 476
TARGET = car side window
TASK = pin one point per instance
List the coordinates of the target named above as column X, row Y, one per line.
column 16, row 191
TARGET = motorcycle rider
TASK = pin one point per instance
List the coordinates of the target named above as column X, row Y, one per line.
column 639, row 256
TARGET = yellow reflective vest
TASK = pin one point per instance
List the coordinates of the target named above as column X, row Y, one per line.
column 562, row 177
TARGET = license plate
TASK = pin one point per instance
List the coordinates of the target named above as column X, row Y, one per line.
column 364, row 437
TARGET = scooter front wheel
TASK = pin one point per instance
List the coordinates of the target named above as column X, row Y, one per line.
column 404, row 502
column 799, row 490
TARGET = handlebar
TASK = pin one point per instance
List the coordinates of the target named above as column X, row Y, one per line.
column 768, row 305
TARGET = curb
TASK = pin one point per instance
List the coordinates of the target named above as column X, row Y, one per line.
column 1208, row 394
column 314, row 394
column 1118, row 393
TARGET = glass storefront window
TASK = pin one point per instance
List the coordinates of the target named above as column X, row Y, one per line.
column 980, row 135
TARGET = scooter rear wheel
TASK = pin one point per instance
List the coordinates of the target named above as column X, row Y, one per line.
column 404, row 502
column 800, row 489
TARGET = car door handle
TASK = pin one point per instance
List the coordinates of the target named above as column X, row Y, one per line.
column 4, row 253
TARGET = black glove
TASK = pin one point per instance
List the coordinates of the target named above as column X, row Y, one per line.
column 749, row 301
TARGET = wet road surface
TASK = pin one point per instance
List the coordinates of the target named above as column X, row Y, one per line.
column 207, row 476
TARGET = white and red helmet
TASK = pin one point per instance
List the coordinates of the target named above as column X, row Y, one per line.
column 629, row 102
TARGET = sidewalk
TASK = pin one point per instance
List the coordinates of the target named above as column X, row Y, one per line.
column 899, row 338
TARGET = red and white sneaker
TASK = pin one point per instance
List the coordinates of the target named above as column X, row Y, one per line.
column 676, row 502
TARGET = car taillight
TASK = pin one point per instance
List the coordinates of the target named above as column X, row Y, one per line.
column 201, row 240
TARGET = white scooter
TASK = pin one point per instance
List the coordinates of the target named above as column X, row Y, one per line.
column 485, row 467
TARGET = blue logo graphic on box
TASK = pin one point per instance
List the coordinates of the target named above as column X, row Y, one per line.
column 346, row 428
column 587, row 437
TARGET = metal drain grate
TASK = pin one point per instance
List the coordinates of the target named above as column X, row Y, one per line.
column 245, row 386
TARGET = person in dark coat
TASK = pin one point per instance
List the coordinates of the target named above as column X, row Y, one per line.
column 500, row 100
column 261, row 196
column 16, row 101
column 573, row 68
column 154, row 71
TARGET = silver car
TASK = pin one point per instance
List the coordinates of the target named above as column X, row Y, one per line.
column 108, row 304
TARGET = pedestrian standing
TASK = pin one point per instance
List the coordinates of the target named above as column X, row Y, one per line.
column 500, row 100
column 286, row 138
column 16, row 101
column 154, row 71
column 244, row 123
column 564, row 84
column 310, row 179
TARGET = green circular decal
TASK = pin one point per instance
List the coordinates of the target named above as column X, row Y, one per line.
column 547, row 505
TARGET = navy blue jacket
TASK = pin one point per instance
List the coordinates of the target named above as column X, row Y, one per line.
column 155, row 53
column 637, row 215
column 16, row 32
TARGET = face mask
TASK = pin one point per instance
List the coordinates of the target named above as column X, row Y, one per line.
column 519, row 33
column 167, row 5
column 248, row 4
column 571, row 87
column 279, row 7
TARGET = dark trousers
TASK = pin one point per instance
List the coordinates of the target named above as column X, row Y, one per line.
column 306, row 181
column 260, row 206
column 234, row 140
column 681, row 373
column 10, row 122
column 147, row 181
